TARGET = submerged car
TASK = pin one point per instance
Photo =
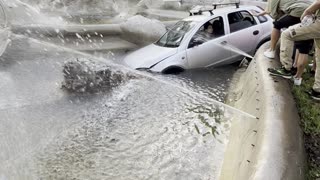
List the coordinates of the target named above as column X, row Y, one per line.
column 189, row 44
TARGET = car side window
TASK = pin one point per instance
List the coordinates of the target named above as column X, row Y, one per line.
column 210, row 30
column 240, row 20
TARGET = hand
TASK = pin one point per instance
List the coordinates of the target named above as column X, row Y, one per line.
column 306, row 13
column 261, row 13
column 255, row 14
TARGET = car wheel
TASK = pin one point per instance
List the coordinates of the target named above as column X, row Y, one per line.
column 173, row 70
column 262, row 42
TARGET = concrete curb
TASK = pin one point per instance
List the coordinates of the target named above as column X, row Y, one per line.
column 270, row 147
column 54, row 30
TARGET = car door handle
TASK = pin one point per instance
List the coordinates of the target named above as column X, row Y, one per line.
column 255, row 32
column 223, row 42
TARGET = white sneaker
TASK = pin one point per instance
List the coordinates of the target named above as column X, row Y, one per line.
column 297, row 81
column 269, row 54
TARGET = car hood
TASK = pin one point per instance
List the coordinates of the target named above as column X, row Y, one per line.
column 149, row 56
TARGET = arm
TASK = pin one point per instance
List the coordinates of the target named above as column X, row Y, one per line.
column 266, row 11
column 311, row 9
column 262, row 13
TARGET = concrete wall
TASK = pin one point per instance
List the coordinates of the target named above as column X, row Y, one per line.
column 270, row 148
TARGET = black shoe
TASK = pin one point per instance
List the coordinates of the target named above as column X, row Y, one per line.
column 282, row 72
column 313, row 72
column 315, row 95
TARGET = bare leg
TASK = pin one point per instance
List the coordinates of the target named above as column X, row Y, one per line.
column 295, row 64
column 301, row 64
column 275, row 36
column 314, row 65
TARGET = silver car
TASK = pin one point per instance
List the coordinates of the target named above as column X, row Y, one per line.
column 205, row 39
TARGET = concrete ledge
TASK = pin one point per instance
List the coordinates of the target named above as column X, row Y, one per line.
column 166, row 15
column 270, row 147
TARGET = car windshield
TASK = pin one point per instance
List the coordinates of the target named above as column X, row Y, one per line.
column 174, row 36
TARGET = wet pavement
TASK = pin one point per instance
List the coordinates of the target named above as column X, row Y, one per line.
column 141, row 129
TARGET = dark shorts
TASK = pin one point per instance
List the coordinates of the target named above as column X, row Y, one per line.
column 304, row 47
column 285, row 21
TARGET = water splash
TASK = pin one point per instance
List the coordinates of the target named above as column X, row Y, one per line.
column 83, row 76
column 227, row 47
column 3, row 15
column 22, row 13
column 139, row 73
column 234, row 49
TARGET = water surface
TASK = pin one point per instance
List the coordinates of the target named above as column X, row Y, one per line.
column 142, row 129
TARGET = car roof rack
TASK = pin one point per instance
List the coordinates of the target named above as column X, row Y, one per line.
column 199, row 10
column 237, row 4
column 178, row 1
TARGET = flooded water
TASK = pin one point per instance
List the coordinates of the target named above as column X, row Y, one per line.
column 141, row 129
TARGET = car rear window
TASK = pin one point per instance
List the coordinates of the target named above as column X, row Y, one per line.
column 240, row 20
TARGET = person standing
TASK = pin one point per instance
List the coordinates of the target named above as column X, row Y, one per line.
column 285, row 13
column 301, row 32
column 301, row 59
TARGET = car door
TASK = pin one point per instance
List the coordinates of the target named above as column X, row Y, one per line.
column 244, row 32
column 210, row 52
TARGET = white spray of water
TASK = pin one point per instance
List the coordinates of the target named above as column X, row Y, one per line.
column 234, row 49
column 109, row 63
column 12, row 3
column 22, row 13
column 228, row 47
column 3, row 14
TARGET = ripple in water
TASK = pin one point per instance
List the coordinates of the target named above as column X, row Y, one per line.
column 142, row 129
column 149, row 132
